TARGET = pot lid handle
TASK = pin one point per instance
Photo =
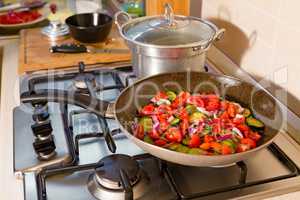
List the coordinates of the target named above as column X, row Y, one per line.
column 169, row 15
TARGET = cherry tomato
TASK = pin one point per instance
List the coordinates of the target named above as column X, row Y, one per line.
column 173, row 135
column 248, row 141
column 205, row 146
column 224, row 115
column 194, row 141
column 162, row 117
column 231, row 110
column 183, row 114
column 180, row 99
column 184, row 125
column 195, row 100
column 217, row 147
column 254, row 136
column 147, row 110
column 154, row 134
column 226, row 150
column 160, row 142
column 139, row 132
column 212, row 105
column 224, row 105
column 158, row 96
column 239, row 120
column 242, row 148
column 208, row 139
column 216, row 126
column 163, row 109
column 244, row 129
column 164, row 125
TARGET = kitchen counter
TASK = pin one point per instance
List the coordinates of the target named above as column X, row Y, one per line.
column 10, row 187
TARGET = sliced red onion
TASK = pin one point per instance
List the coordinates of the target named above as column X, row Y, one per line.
column 156, row 122
column 238, row 132
column 200, row 126
column 224, row 137
column 134, row 126
column 192, row 130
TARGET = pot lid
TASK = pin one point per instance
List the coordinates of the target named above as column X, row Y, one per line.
column 170, row 30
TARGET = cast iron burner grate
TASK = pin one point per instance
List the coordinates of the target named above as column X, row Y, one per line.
column 166, row 172
column 169, row 176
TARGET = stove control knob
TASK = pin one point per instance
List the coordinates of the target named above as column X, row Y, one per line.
column 42, row 130
column 45, row 149
column 37, row 103
column 40, row 113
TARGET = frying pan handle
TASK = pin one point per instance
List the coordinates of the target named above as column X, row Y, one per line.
column 121, row 14
column 94, row 105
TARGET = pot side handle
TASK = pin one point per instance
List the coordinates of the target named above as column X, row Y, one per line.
column 121, row 14
column 217, row 36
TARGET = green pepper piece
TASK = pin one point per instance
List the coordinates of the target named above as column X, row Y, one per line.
column 251, row 121
column 207, row 129
column 173, row 146
column 196, row 151
column 190, row 109
column 183, row 149
column 186, row 141
column 171, row 95
column 148, row 139
column 175, row 121
column 147, row 123
column 246, row 112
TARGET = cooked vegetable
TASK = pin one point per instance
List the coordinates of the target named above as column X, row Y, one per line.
column 171, row 95
column 197, row 124
column 146, row 122
column 148, row 139
column 196, row 151
column 183, row 149
column 251, row 121
column 196, row 117
column 246, row 112
column 191, row 108
column 175, row 121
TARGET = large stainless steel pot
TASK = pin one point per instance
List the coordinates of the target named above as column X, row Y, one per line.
column 167, row 43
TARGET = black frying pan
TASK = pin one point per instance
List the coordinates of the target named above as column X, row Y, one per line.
column 261, row 103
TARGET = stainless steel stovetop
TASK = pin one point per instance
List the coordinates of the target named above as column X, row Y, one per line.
column 79, row 159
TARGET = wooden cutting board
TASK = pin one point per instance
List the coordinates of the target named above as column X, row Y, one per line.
column 34, row 52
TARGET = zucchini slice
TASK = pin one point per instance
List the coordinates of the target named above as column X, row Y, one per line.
column 246, row 112
column 255, row 123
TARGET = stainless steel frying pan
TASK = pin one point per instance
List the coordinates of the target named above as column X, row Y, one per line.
column 133, row 97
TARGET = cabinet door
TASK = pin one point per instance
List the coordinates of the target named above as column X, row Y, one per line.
column 156, row 7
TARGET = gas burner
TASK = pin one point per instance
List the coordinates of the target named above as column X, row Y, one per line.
column 81, row 82
column 108, row 181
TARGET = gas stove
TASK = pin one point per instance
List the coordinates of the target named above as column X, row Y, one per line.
column 62, row 151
